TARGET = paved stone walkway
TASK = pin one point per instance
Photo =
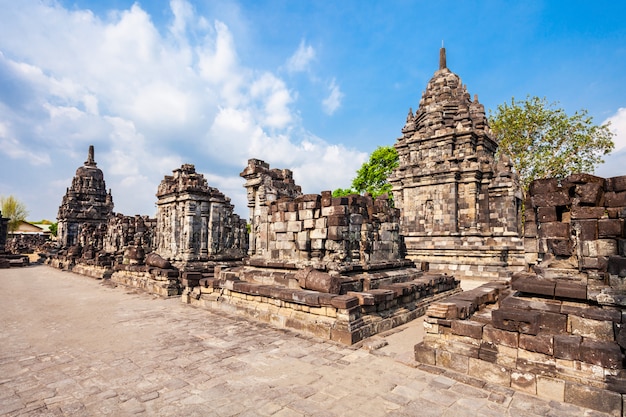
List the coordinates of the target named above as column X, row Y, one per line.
column 75, row 346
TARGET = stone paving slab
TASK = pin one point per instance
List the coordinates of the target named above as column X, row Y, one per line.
column 74, row 346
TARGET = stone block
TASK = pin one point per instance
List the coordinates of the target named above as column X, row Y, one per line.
column 560, row 247
column 615, row 199
column 552, row 199
column 554, row 230
column 543, row 186
column 534, row 286
column 589, row 194
column 500, row 337
column 572, row 290
column 294, row 226
column 489, row 372
column 530, row 229
column 546, row 214
column 584, row 212
column 606, row 247
column 550, row 388
column 617, row 266
column 533, row 303
column 522, row 321
column 594, row 398
column 424, row 354
column 567, row 347
column 605, row 354
column 488, row 351
column 587, row 311
column 344, row 302
column 468, row 328
column 318, row 233
column 589, row 328
column 443, row 310
column 610, row 228
column 586, row 230
column 338, row 220
column 541, row 343
column 449, row 360
column 524, row 381
column 616, row 183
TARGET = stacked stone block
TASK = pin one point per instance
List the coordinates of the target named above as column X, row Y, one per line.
column 558, row 331
column 320, row 229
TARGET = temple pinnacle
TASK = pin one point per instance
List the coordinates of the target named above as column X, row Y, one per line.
column 442, row 58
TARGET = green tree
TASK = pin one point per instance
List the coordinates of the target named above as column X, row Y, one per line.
column 544, row 142
column 53, row 228
column 14, row 210
column 372, row 176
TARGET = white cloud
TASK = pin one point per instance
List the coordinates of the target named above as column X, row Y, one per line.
column 301, row 59
column 618, row 126
column 331, row 103
column 614, row 163
column 149, row 100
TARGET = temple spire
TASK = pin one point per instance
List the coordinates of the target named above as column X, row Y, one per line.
column 90, row 159
column 442, row 57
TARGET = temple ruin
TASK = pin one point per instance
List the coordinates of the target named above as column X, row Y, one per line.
column 556, row 331
column 196, row 223
column 461, row 207
column 549, row 321
column 86, row 202
column 331, row 267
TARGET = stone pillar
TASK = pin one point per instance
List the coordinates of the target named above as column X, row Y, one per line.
column 204, row 232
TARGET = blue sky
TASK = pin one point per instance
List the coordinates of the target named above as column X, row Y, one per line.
column 313, row 86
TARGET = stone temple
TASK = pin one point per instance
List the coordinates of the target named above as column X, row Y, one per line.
column 86, row 202
column 460, row 207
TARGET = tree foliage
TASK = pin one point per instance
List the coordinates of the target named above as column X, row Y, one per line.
column 544, row 142
column 14, row 210
column 54, row 227
column 372, row 176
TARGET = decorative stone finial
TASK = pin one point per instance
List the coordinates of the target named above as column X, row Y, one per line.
column 90, row 160
column 442, row 58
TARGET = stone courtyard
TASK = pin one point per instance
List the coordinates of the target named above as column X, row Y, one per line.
column 74, row 346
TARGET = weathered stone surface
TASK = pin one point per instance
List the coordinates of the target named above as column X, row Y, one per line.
column 154, row 259
column 489, row 372
column 500, row 337
column 585, row 212
column 468, row 328
column 522, row 321
column 541, row 343
column 534, row 286
column 596, row 329
column 424, row 354
column 567, row 347
column 313, row 279
column 594, row 398
column 605, row 354
column 550, row 388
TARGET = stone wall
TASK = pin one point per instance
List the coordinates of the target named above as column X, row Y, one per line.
column 558, row 330
column 317, row 229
